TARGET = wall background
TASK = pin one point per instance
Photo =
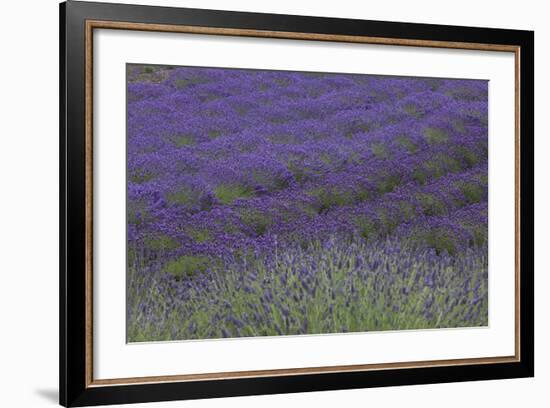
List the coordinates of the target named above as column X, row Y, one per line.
column 29, row 202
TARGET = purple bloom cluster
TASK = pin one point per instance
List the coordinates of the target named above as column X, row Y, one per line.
column 274, row 203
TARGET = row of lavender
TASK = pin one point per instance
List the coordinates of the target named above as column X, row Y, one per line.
column 228, row 167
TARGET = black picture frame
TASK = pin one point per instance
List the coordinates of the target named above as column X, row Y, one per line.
column 75, row 387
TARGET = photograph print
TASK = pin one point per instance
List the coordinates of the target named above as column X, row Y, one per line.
column 281, row 203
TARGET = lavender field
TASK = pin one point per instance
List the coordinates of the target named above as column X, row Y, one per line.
column 265, row 203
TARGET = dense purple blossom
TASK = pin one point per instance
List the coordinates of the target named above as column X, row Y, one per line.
column 268, row 203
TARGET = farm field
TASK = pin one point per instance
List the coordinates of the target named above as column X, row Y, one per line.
column 265, row 203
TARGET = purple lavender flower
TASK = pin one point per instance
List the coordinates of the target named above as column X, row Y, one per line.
column 262, row 201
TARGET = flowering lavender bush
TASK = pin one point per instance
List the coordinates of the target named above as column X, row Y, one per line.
column 282, row 203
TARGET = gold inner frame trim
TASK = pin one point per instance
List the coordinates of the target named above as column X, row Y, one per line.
column 99, row 24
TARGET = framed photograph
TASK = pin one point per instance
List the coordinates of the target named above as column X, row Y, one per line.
column 256, row 203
